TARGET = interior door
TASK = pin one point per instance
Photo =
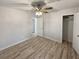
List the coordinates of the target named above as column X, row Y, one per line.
column 76, row 32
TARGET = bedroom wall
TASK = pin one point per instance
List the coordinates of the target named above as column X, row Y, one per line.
column 53, row 23
column 15, row 26
column 76, row 33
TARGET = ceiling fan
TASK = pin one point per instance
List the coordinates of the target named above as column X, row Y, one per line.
column 38, row 6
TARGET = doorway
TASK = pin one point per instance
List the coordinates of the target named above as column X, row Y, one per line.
column 68, row 28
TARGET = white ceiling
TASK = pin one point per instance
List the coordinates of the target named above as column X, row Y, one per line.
column 59, row 5
column 27, row 1
column 65, row 4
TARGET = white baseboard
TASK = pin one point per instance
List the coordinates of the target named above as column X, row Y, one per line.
column 15, row 43
column 53, row 39
column 34, row 34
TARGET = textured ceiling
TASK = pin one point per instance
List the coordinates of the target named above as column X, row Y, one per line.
column 26, row 1
column 57, row 4
column 65, row 4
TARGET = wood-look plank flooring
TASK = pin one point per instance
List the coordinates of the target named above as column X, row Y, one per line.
column 39, row 48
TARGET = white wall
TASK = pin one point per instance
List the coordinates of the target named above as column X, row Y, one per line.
column 53, row 23
column 76, row 33
column 15, row 26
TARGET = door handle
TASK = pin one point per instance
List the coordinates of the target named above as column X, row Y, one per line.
column 77, row 35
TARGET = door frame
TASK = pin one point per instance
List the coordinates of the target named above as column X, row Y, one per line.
column 63, row 23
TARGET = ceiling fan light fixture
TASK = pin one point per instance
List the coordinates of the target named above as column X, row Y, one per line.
column 38, row 13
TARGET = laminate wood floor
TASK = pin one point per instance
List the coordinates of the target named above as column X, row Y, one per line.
column 39, row 48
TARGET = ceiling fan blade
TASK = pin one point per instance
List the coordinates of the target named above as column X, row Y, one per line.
column 48, row 8
column 54, row 10
column 46, row 12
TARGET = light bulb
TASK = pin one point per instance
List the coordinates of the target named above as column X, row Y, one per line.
column 38, row 13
